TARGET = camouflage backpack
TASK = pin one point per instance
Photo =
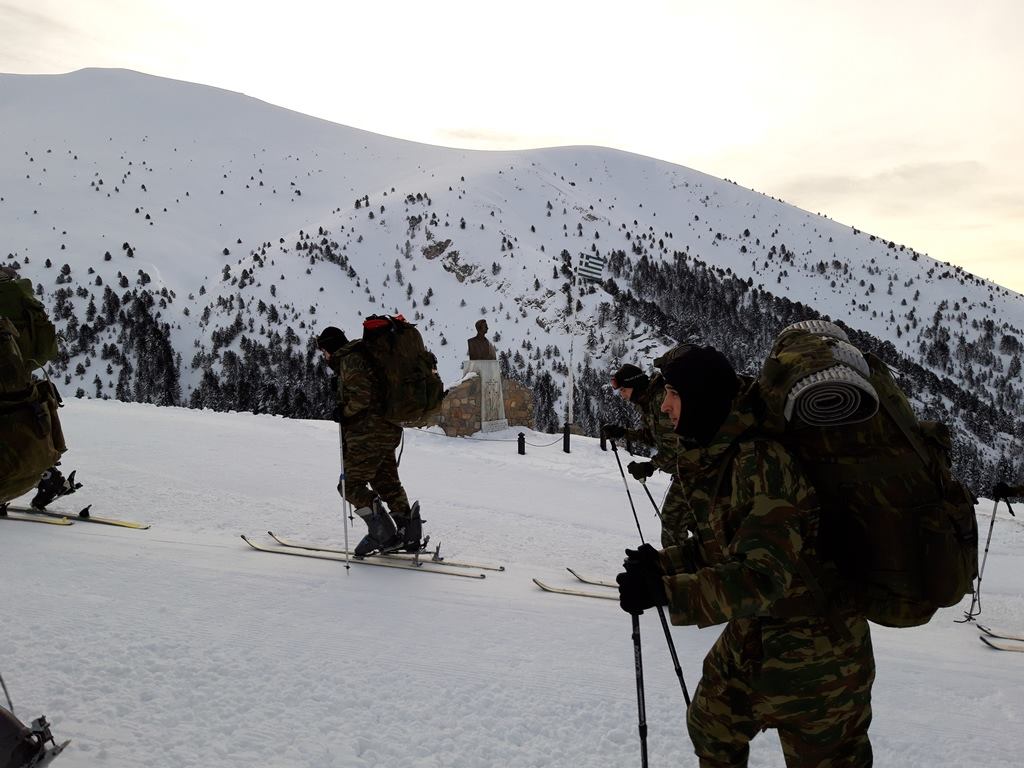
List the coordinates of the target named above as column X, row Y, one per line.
column 900, row 528
column 31, row 440
column 37, row 338
column 413, row 389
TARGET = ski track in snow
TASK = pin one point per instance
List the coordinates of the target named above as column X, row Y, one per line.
column 180, row 646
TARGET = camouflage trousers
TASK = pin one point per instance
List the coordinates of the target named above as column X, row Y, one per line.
column 787, row 675
column 371, row 469
column 676, row 517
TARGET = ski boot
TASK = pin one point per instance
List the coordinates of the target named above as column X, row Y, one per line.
column 382, row 535
column 51, row 485
column 410, row 529
column 27, row 747
column 42, row 736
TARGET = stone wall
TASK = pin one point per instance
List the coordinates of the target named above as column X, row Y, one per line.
column 460, row 411
column 518, row 404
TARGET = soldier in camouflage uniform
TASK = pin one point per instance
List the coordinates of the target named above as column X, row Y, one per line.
column 368, row 450
column 52, row 483
column 789, row 658
column 646, row 393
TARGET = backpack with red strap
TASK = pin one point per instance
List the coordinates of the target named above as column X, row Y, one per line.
column 407, row 369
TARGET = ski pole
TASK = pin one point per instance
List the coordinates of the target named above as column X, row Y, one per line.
column 657, row 509
column 632, row 506
column 10, row 703
column 976, row 597
column 346, row 507
column 661, row 609
column 641, row 708
column 341, row 485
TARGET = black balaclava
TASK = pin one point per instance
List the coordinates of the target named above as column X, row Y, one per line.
column 706, row 384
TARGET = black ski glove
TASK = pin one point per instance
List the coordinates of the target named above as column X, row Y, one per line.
column 644, row 557
column 641, row 470
column 1001, row 491
column 640, row 585
column 613, row 431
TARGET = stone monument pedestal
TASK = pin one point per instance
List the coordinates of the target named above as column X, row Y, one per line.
column 492, row 400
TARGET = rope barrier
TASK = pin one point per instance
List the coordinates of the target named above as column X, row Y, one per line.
column 492, row 439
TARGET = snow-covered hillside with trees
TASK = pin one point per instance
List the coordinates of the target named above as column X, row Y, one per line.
column 180, row 647
column 190, row 242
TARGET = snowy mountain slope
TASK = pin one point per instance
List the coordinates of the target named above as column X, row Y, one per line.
column 229, row 221
column 179, row 646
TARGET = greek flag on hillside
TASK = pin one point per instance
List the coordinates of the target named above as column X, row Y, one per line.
column 591, row 267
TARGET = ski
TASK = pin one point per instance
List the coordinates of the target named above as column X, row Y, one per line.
column 9, row 515
column 999, row 645
column 423, row 567
column 1001, row 635
column 595, row 582
column 47, row 757
column 85, row 516
column 576, row 592
column 41, row 736
column 431, row 558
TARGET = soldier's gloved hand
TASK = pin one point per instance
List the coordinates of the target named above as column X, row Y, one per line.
column 641, row 470
column 644, row 557
column 641, row 585
column 1001, row 491
column 613, row 431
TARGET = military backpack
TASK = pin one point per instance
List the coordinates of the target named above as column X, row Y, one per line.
column 898, row 525
column 407, row 369
column 31, row 440
column 37, row 338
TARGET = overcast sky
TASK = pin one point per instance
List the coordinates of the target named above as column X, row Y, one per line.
column 903, row 118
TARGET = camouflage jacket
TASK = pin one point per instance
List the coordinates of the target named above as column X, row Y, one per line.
column 657, row 429
column 359, row 392
column 753, row 536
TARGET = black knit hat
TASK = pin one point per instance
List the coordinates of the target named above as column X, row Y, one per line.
column 331, row 339
column 707, row 384
column 630, row 376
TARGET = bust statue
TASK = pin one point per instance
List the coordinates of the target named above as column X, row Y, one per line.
column 480, row 347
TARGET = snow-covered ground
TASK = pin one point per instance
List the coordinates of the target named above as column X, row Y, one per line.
column 180, row 646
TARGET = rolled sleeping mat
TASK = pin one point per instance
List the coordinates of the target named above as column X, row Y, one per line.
column 818, row 328
column 837, row 395
column 831, row 383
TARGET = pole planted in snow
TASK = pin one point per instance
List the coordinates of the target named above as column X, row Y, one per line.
column 976, row 596
column 641, row 707
column 661, row 609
